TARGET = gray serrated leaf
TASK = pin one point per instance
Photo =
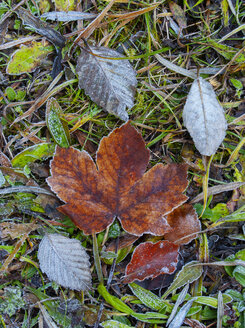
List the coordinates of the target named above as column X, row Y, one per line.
column 65, row 261
column 110, row 83
column 204, row 117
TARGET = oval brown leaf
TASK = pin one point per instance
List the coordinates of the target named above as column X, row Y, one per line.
column 150, row 260
column 119, row 188
column 184, row 222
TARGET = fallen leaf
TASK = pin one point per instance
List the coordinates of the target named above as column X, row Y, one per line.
column 179, row 14
column 184, row 221
column 148, row 298
column 124, row 241
column 15, row 230
column 180, row 317
column 40, row 27
column 110, row 83
column 63, row 16
column 189, row 273
column 150, row 260
column 33, row 153
column 204, row 117
column 28, row 58
column 119, row 187
column 65, row 261
column 180, row 300
column 56, row 125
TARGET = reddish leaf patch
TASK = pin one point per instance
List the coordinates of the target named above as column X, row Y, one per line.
column 184, row 221
column 117, row 187
column 150, row 260
column 124, row 241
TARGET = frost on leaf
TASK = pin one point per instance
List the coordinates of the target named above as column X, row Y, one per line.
column 28, row 58
column 204, row 117
column 117, row 186
column 110, row 83
column 65, row 261
column 185, row 222
column 150, row 260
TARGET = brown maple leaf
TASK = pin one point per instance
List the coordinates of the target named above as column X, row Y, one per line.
column 117, row 187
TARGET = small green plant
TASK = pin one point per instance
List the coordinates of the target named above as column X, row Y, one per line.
column 12, row 300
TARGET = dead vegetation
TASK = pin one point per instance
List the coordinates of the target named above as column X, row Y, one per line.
column 67, row 83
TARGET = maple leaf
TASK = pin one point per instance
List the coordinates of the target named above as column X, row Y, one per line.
column 150, row 260
column 117, row 187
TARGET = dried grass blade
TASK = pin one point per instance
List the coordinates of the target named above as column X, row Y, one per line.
column 12, row 255
column 176, row 68
column 40, row 101
column 137, row 13
column 94, row 24
column 217, row 190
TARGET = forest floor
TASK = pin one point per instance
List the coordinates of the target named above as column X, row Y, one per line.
column 63, row 84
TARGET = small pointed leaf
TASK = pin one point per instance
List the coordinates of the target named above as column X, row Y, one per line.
column 188, row 274
column 204, row 117
column 65, row 261
column 57, row 127
column 110, row 83
column 180, row 317
column 148, row 298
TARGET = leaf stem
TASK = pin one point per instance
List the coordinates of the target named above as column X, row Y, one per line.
column 205, row 185
column 97, row 259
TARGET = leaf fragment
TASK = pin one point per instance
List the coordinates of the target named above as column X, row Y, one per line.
column 15, row 230
column 204, row 117
column 65, row 5
column 33, row 153
column 65, row 261
column 150, row 260
column 114, row 324
column 28, row 58
column 119, row 187
column 184, row 222
column 109, row 82
column 179, row 14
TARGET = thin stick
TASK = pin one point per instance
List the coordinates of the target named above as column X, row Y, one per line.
column 97, row 259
